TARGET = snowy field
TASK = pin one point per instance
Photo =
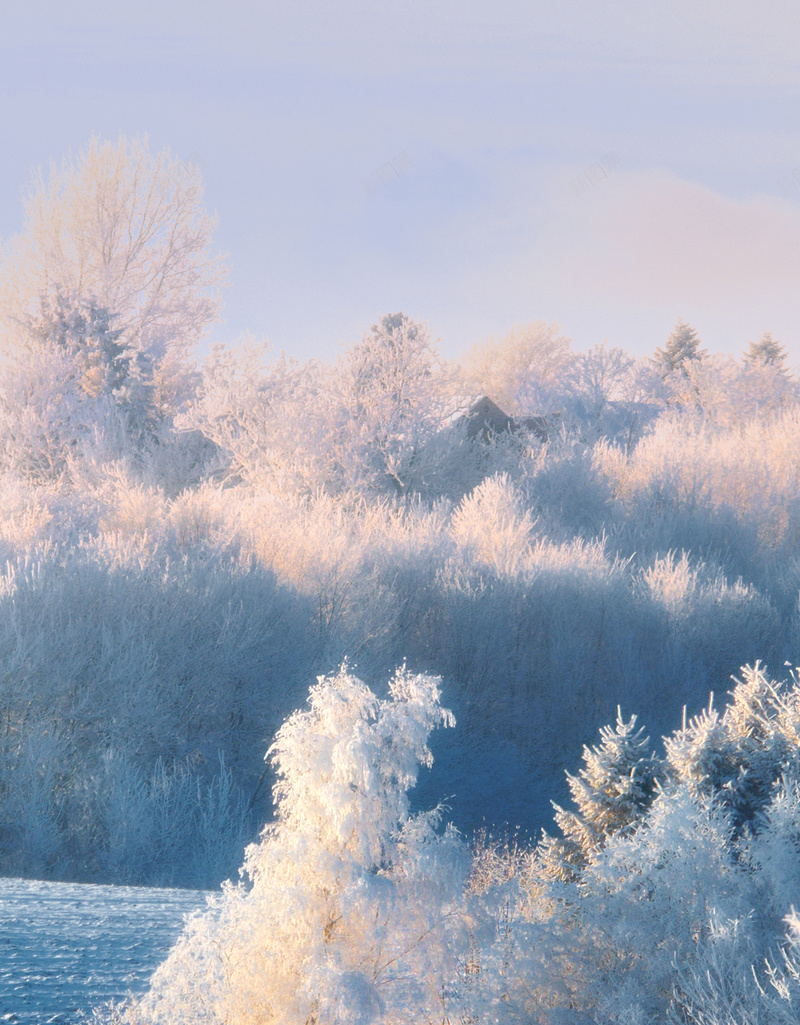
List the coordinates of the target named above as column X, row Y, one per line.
column 68, row 947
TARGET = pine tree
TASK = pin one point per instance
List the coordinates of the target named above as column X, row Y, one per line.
column 612, row 791
column 682, row 349
column 766, row 352
column 740, row 756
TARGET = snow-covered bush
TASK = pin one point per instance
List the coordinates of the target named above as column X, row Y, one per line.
column 33, row 797
column 650, row 897
column 722, row 987
column 680, row 913
column 171, row 825
column 704, row 618
column 162, row 659
column 493, row 525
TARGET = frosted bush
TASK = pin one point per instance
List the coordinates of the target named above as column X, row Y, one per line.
column 652, row 896
column 33, row 809
column 88, row 641
column 133, row 509
column 773, row 850
column 493, row 525
column 41, row 416
column 679, row 912
column 721, row 987
column 708, row 624
column 698, row 597
column 672, row 583
column 691, row 485
column 26, row 517
column 168, row 825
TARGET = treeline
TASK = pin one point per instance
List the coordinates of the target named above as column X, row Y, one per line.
column 183, row 549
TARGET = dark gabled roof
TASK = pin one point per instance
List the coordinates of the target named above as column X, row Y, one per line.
column 485, row 418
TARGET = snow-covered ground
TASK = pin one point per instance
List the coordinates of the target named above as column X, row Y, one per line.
column 68, row 947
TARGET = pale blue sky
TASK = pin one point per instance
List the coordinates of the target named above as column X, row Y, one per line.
column 496, row 111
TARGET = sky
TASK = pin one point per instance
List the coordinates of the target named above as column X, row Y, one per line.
column 610, row 167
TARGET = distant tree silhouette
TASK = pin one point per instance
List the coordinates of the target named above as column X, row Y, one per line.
column 682, row 349
column 766, row 352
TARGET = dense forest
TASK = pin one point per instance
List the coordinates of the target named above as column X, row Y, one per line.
column 186, row 548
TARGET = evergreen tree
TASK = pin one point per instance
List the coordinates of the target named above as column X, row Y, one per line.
column 75, row 390
column 740, row 756
column 611, row 792
column 682, row 349
column 766, row 352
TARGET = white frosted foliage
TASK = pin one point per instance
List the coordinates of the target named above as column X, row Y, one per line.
column 350, row 898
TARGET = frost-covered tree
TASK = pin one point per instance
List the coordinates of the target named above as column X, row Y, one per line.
column 359, row 426
column 528, row 371
column 84, row 330
column 349, row 915
column 772, row 851
column 611, row 792
column 741, row 755
column 603, row 374
column 77, row 393
column 723, row 392
column 126, row 230
column 269, row 417
column 653, row 895
column 767, row 385
column 110, row 368
column 393, row 394
column 676, row 366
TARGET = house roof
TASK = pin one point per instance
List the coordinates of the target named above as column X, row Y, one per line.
column 485, row 417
